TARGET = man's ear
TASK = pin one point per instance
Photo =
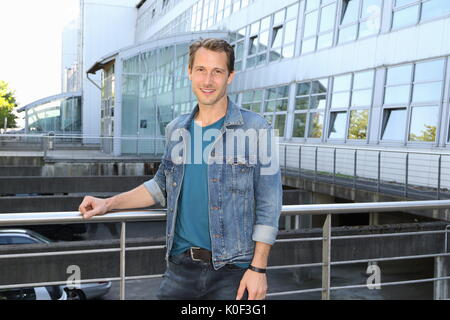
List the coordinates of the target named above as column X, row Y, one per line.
column 230, row 77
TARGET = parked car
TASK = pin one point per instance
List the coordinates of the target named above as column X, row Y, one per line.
column 35, row 293
column 24, row 236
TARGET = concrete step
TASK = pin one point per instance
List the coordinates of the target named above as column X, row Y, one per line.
column 15, row 160
column 60, row 185
column 20, row 171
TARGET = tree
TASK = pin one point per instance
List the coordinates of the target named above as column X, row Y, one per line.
column 7, row 105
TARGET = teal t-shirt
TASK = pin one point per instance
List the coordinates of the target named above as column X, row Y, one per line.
column 192, row 222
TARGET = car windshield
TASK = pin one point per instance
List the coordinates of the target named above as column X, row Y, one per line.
column 40, row 237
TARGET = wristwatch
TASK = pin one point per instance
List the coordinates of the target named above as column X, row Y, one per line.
column 259, row 270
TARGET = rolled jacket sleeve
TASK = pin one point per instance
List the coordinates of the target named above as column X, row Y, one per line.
column 155, row 190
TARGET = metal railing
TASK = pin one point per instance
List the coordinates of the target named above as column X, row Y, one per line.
column 288, row 210
column 76, row 145
column 421, row 174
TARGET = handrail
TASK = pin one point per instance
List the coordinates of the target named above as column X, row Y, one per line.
column 68, row 217
column 77, row 136
column 124, row 216
column 435, row 151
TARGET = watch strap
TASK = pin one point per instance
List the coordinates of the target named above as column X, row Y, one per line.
column 259, row 270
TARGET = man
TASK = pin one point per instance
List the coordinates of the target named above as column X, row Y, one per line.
column 222, row 205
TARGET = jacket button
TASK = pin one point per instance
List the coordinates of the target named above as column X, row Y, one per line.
column 174, row 184
column 215, row 208
column 214, row 179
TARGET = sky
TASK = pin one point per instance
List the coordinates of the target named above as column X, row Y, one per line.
column 31, row 45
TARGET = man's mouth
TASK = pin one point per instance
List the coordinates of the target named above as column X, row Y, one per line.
column 207, row 91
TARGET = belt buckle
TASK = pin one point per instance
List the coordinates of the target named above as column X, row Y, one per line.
column 192, row 254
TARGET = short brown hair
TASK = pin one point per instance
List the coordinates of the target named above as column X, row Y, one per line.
column 216, row 45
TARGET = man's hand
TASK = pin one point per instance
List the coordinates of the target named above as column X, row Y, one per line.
column 92, row 206
column 256, row 285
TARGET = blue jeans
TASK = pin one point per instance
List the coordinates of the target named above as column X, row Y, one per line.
column 186, row 279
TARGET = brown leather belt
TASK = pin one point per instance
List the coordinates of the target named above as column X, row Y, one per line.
column 199, row 254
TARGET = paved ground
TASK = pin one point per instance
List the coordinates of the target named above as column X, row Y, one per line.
column 288, row 280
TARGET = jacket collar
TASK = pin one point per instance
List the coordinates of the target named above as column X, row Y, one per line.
column 232, row 117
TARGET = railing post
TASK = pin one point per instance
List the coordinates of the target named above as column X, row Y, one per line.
column 334, row 166
column 379, row 171
column 315, row 165
column 285, row 163
column 326, row 258
column 299, row 162
column 439, row 178
column 122, row 260
column 406, row 178
column 354, row 168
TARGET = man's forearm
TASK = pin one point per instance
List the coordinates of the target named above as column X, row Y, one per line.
column 261, row 255
column 136, row 198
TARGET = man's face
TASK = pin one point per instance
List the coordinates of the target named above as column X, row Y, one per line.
column 210, row 77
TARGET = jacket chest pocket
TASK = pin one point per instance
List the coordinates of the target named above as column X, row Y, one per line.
column 239, row 175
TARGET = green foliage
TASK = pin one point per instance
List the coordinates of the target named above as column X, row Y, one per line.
column 429, row 134
column 7, row 105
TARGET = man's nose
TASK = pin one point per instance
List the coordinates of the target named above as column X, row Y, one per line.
column 208, row 78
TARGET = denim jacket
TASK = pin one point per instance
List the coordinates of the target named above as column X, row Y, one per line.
column 244, row 200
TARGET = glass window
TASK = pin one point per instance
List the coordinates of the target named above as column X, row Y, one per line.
column 303, row 88
column 340, row 100
column 338, row 122
column 397, row 95
column 21, row 240
column 318, row 102
column 322, row 16
column 319, row 86
column 311, row 20
column 302, row 103
column 315, row 125
column 276, row 104
column 348, row 33
column 327, row 18
column 427, row 92
column 435, row 8
column 424, row 122
column 277, row 34
column 405, row 17
column 290, row 31
column 394, row 123
column 350, row 12
column 369, row 6
column 312, row 4
column 363, row 80
column 358, row 124
column 280, row 121
column 362, row 97
column 252, row 46
column 342, row 83
column 399, row 75
column 429, row 71
column 292, row 12
column 299, row 125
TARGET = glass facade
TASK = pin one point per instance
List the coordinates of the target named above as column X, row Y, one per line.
column 403, row 102
column 412, row 100
column 62, row 116
column 155, row 89
column 410, row 12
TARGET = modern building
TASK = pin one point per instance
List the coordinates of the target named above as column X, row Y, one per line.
column 346, row 72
